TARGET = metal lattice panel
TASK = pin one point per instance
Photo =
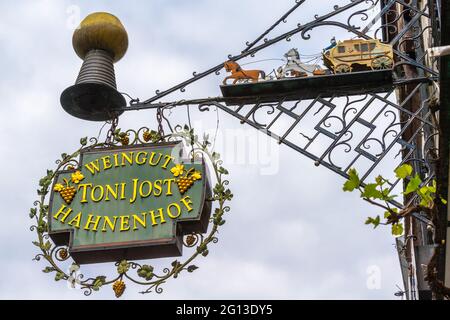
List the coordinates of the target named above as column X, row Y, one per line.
column 362, row 127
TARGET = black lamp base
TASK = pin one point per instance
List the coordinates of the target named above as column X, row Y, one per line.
column 93, row 101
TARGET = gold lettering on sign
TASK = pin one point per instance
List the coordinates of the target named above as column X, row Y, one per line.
column 129, row 158
column 93, row 166
column 170, row 211
column 111, row 225
column 107, row 163
column 125, row 222
column 90, row 221
column 61, row 212
column 75, row 222
column 141, row 192
column 142, row 222
column 113, row 192
column 160, row 215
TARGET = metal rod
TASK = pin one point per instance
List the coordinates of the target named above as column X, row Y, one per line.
column 250, row 45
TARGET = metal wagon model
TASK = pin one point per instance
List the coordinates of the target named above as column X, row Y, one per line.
column 359, row 55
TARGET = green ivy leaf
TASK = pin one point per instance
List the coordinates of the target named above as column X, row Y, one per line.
column 373, row 221
column 59, row 276
column 192, row 268
column 33, row 212
column 397, row 229
column 218, row 188
column 43, row 182
column 48, row 269
column 413, row 184
column 222, row 170
column 83, row 141
column 426, row 195
column 371, row 192
column 380, row 180
column 432, row 188
column 145, row 272
column 227, row 195
column 386, row 195
column 403, row 171
column 154, row 136
column 98, row 282
column 215, row 156
column 353, row 180
column 176, row 264
column 123, row 267
column 47, row 246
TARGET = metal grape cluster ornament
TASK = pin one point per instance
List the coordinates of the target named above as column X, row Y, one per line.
column 138, row 195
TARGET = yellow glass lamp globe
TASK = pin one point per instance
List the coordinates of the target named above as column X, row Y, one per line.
column 100, row 30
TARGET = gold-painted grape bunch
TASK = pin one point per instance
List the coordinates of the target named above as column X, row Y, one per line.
column 190, row 240
column 68, row 191
column 119, row 287
column 184, row 182
column 125, row 140
column 151, row 136
column 147, row 136
column 63, row 254
column 121, row 137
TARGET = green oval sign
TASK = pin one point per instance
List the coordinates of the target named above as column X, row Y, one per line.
column 130, row 202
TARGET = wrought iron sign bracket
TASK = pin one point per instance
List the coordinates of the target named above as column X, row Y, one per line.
column 360, row 104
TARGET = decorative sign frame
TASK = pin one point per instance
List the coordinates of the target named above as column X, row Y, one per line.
column 190, row 235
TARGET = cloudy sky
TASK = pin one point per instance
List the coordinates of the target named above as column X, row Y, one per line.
column 292, row 232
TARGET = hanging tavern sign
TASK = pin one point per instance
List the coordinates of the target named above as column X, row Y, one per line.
column 139, row 195
column 135, row 196
column 130, row 202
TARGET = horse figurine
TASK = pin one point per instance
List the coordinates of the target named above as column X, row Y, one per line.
column 295, row 68
column 238, row 74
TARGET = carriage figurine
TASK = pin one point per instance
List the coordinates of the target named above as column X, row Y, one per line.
column 358, row 55
column 339, row 57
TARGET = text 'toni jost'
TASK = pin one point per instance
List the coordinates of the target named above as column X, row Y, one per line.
column 130, row 191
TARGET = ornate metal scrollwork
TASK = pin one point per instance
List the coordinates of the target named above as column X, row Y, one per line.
column 140, row 274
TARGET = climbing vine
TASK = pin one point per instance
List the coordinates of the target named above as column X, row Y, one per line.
column 379, row 193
